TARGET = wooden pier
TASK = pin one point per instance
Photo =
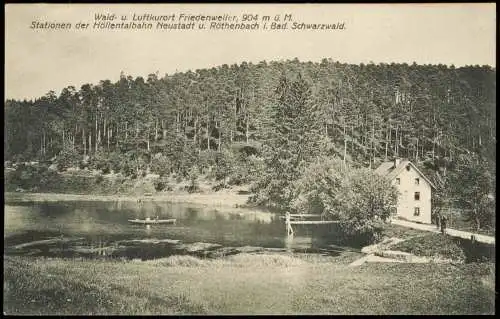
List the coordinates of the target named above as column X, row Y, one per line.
column 312, row 222
column 300, row 216
column 304, row 215
column 289, row 222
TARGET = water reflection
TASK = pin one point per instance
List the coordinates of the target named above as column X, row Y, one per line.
column 289, row 243
column 191, row 214
column 105, row 227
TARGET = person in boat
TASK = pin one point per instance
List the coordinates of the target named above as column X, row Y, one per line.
column 156, row 218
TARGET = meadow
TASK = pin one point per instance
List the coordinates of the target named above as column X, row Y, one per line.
column 244, row 284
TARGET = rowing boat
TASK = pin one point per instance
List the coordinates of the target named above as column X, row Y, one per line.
column 152, row 221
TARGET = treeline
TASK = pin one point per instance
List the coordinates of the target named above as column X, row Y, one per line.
column 368, row 113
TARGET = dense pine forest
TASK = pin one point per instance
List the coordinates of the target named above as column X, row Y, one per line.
column 220, row 120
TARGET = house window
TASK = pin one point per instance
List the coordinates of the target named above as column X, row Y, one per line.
column 417, row 181
column 417, row 195
column 408, row 168
column 398, row 181
column 417, row 211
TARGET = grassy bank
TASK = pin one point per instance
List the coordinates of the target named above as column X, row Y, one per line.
column 459, row 222
column 393, row 230
column 244, row 284
column 433, row 245
column 49, row 185
column 40, row 179
column 446, row 247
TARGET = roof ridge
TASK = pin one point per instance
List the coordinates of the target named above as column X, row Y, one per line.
column 393, row 171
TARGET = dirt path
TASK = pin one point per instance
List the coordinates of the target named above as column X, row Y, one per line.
column 449, row 231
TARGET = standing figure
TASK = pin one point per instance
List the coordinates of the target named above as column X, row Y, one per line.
column 288, row 226
column 444, row 219
column 438, row 220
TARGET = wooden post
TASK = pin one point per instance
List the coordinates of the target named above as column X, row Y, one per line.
column 287, row 221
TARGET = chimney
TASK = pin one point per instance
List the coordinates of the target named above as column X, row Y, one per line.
column 396, row 162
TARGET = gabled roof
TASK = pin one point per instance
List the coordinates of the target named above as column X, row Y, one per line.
column 388, row 170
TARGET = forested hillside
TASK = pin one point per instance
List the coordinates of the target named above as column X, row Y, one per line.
column 217, row 119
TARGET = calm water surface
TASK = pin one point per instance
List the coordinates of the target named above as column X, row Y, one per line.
column 105, row 224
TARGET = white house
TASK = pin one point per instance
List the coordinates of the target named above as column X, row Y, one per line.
column 415, row 189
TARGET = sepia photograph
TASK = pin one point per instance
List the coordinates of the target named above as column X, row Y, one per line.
column 249, row 159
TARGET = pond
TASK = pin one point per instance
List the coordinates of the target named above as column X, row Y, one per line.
column 101, row 229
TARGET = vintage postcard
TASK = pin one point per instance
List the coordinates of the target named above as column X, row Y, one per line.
column 182, row 159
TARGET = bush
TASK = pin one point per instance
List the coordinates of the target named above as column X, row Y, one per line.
column 246, row 170
column 357, row 198
column 28, row 177
column 127, row 170
column 193, row 181
column 47, row 178
column 218, row 187
column 68, row 157
column 207, row 159
column 83, row 165
column 98, row 179
column 105, row 169
column 161, row 165
column 115, row 162
column 178, row 178
column 237, row 178
column 19, row 158
column 224, row 165
column 161, row 185
column 359, row 234
column 432, row 245
column 61, row 167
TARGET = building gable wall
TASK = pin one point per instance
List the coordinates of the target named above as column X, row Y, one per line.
column 406, row 200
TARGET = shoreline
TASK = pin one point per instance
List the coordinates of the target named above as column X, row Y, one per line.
column 217, row 199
